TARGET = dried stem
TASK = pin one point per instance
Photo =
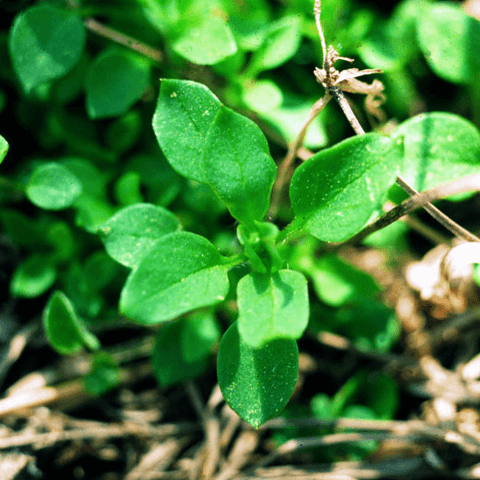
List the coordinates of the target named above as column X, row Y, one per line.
column 466, row 184
column 335, row 83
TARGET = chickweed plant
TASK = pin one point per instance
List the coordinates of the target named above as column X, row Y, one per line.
column 208, row 241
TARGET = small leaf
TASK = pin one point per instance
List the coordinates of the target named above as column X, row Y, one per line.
column 114, row 82
column 53, row 187
column 280, row 44
column 450, row 41
column 337, row 190
column 438, row 147
column 65, row 331
column 45, row 44
column 103, row 376
column 272, row 306
column 179, row 273
column 130, row 233
column 33, row 277
column 127, row 189
column 206, row 39
column 183, row 348
column 256, row 383
column 337, row 282
column 368, row 324
column 184, row 114
column 3, row 148
column 238, row 165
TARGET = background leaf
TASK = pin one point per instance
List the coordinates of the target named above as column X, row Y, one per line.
column 53, row 187
column 337, row 282
column 65, row 331
column 45, row 44
column 336, row 191
column 33, row 277
column 279, row 45
column 256, row 383
column 438, row 147
column 206, row 38
column 114, row 82
column 272, row 306
column 134, row 229
column 180, row 272
column 183, row 348
column 450, row 41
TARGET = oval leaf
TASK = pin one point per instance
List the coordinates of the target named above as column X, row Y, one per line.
column 256, row 383
column 206, row 41
column 45, row 44
column 238, row 165
column 33, row 277
column 181, row 272
column 280, row 44
column 114, row 82
column 65, row 331
column 133, row 230
column 336, row 191
column 272, row 306
column 450, row 41
column 337, row 282
column 53, row 187
column 184, row 114
column 438, row 147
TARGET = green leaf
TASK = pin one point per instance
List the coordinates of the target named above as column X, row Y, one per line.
column 3, row 148
column 33, row 277
column 280, row 44
column 181, row 271
column 53, row 187
column 127, row 189
column 114, row 82
column 134, row 229
column 206, row 38
column 337, row 282
column 262, row 96
column 272, row 306
column 368, row 324
column 337, row 190
column 65, row 331
column 256, row 382
column 103, row 376
column 45, row 44
column 184, row 114
column 238, row 165
column 438, row 147
column 450, row 41
column 183, row 348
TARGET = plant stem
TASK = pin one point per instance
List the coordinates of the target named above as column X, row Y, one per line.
column 293, row 148
column 122, row 39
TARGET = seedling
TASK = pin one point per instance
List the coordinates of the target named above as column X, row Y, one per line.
column 255, row 277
